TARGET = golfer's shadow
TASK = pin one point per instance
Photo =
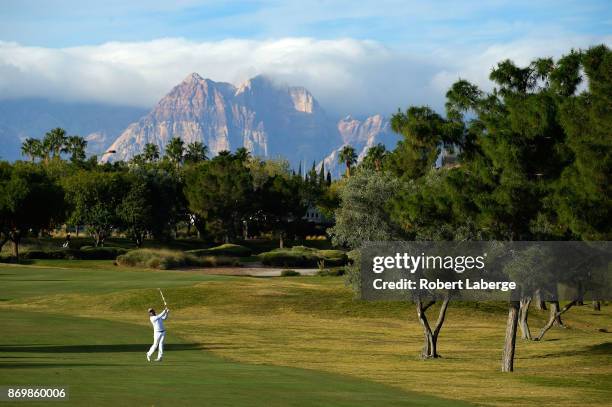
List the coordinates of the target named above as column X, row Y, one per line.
column 102, row 348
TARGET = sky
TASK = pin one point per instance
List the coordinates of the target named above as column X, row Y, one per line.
column 357, row 57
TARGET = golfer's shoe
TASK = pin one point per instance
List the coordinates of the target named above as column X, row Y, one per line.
column 148, row 357
column 158, row 359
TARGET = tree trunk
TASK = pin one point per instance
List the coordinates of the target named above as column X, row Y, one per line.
column 510, row 341
column 596, row 305
column 16, row 249
column 281, row 241
column 540, row 303
column 430, row 345
column 15, row 237
column 554, row 312
column 523, row 316
column 551, row 320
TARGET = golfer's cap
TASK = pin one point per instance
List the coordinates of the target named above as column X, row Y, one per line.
column 151, row 310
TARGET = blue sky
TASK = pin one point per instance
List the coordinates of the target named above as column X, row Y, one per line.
column 355, row 56
column 394, row 23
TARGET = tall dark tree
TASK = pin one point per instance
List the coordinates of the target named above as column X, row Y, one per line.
column 32, row 148
column 219, row 192
column 29, row 201
column 175, row 149
column 196, row 152
column 348, row 157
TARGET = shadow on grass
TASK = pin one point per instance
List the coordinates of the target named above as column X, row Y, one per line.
column 48, row 365
column 599, row 349
column 103, row 348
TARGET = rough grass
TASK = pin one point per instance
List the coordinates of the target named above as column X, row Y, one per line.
column 169, row 259
column 227, row 249
column 314, row 323
column 301, row 256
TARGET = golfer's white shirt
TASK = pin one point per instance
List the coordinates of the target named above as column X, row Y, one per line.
column 156, row 320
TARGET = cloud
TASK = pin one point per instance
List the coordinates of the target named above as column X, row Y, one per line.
column 346, row 75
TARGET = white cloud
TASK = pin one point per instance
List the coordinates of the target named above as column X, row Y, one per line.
column 345, row 75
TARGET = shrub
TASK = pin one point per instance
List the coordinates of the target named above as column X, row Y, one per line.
column 289, row 273
column 228, row 249
column 85, row 253
column 169, row 259
column 301, row 256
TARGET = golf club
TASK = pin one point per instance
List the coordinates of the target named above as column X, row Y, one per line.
column 162, row 295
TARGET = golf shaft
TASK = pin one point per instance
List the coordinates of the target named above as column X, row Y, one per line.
column 162, row 295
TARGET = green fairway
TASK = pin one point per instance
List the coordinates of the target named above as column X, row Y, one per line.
column 277, row 341
column 102, row 360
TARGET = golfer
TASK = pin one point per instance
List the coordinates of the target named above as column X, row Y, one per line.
column 159, row 333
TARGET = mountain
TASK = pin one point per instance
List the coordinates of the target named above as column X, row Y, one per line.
column 98, row 123
column 361, row 135
column 268, row 119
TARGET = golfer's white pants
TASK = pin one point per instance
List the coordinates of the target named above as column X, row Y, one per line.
column 158, row 341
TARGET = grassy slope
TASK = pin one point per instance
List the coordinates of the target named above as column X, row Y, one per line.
column 102, row 360
column 314, row 323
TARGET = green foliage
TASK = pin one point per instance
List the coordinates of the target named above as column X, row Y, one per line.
column 219, row 191
column 348, row 157
column 84, row 253
column 29, row 201
column 301, row 256
column 375, row 156
column 363, row 214
column 93, row 198
column 227, row 249
column 175, row 150
column 169, row 259
column 196, row 152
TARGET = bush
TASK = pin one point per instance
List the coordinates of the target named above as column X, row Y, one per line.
column 85, row 253
column 301, row 256
column 228, row 249
column 169, row 259
column 334, row 272
column 289, row 273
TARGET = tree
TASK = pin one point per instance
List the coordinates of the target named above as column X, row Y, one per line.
column 76, row 146
column 347, row 157
column 196, row 152
column 582, row 195
column 32, row 148
column 54, row 143
column 93, row 199
column 135, row 210
column 175, row 150
column 363, row 215
column 29, row 200
column 425, row 132
column 281, row 204
column 150, row 153
column 219, row 192
column 375, row 156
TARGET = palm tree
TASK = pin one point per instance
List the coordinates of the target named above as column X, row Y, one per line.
column 151, row 152
column 242, row 154
column 375, row 155
column 175, row 150
column 76, row 146
column 348, row 157
column 54, row 142
column 196, row 152
column 32, row 148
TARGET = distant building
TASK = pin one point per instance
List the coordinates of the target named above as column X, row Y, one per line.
column 314, row 215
